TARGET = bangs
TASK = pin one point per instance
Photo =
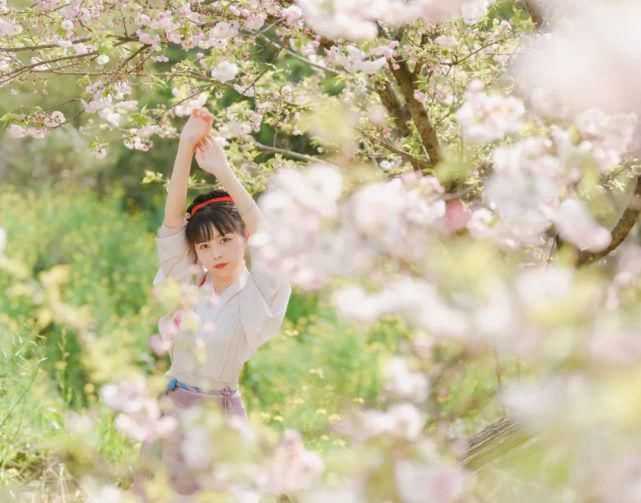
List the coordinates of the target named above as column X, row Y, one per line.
column 204, row 227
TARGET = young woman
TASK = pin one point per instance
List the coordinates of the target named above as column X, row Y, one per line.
column 245, row 307
column 239, row 309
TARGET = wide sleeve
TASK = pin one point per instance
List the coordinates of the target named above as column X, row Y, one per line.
column 263, row 304
column 173, row 256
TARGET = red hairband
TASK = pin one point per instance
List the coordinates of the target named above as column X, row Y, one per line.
column 215, row 199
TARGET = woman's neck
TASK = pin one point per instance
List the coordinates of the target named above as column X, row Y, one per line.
column 221, row 284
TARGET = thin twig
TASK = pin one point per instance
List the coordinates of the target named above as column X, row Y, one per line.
column 289, row 153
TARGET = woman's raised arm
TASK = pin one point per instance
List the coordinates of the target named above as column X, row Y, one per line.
column 211, row 157
column 195, row 129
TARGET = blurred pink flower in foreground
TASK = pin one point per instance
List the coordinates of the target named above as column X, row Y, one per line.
column 527, row 178
column 417, row 300
column 404, row 421
column 575, row 224
column 589, row 41
column 293, row 467
column 356, row 19
column 485, row 118
column 139, row 417
column 420, row 482
column 404, row 382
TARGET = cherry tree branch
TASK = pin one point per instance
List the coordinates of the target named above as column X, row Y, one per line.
column 535, row 13
column 56, row 46
column 289, row 153
column 418, row 164
column 19, row 71
column 297, row 56
column 417, row 111
column 624, row 225
column 396, row 109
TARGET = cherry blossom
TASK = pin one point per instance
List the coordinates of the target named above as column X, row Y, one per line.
column 403, row 421
column 139, row 416
column 224, row 71
column 291, row 14
column 486, row 118
column 405, row 383
column 293, row 467
column 415, row 299
column 526, row 182
column 418, row 482
column 574, row 223
column 224, row 29
column 9, row 29
column 355, row 60
column 356, row 19
column 475, row 10
column 549, row 62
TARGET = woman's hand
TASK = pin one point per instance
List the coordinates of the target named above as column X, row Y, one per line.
column 211, row 157
column 197, row 127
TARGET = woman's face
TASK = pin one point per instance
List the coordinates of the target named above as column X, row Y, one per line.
column 227, row 251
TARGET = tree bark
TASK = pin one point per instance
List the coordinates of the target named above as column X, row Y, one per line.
column 621, row 229
column 394, row 107
column 535, row 13
column 426, row 131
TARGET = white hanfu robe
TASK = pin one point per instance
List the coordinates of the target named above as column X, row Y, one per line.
column 247, row 314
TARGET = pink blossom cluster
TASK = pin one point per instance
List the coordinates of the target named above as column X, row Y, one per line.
column 318, row 238
column 9, row 29
column 485, row 118
column 427, row 480
column 603, row 34
column 297, row 204
column 403, row 421
column 102, row 101
column 187, row 100
column 353, row 59
column 606, row 136
column 416, row 299
column 51, row 121
column 139, row 416
column 473, row 11
column 292, row 467
column 406, row 383
column 170, row 24
column 356, row 19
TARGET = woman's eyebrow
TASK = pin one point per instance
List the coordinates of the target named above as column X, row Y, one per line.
column 212, row 239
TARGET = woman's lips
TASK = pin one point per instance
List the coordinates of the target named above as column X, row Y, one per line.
column 220, row 266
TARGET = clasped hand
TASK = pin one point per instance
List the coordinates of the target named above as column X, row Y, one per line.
column 210, row 156
column 196, row 134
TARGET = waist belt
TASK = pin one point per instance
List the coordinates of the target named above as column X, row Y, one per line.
column 227, row 393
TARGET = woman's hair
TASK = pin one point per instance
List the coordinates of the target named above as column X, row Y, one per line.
column 222, row 216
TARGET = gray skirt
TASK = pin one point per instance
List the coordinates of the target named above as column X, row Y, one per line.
column 168, row 450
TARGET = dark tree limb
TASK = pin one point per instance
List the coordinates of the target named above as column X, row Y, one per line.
column 426, row 131
column 535, row 13
column 396, row 109
column 621, row 229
